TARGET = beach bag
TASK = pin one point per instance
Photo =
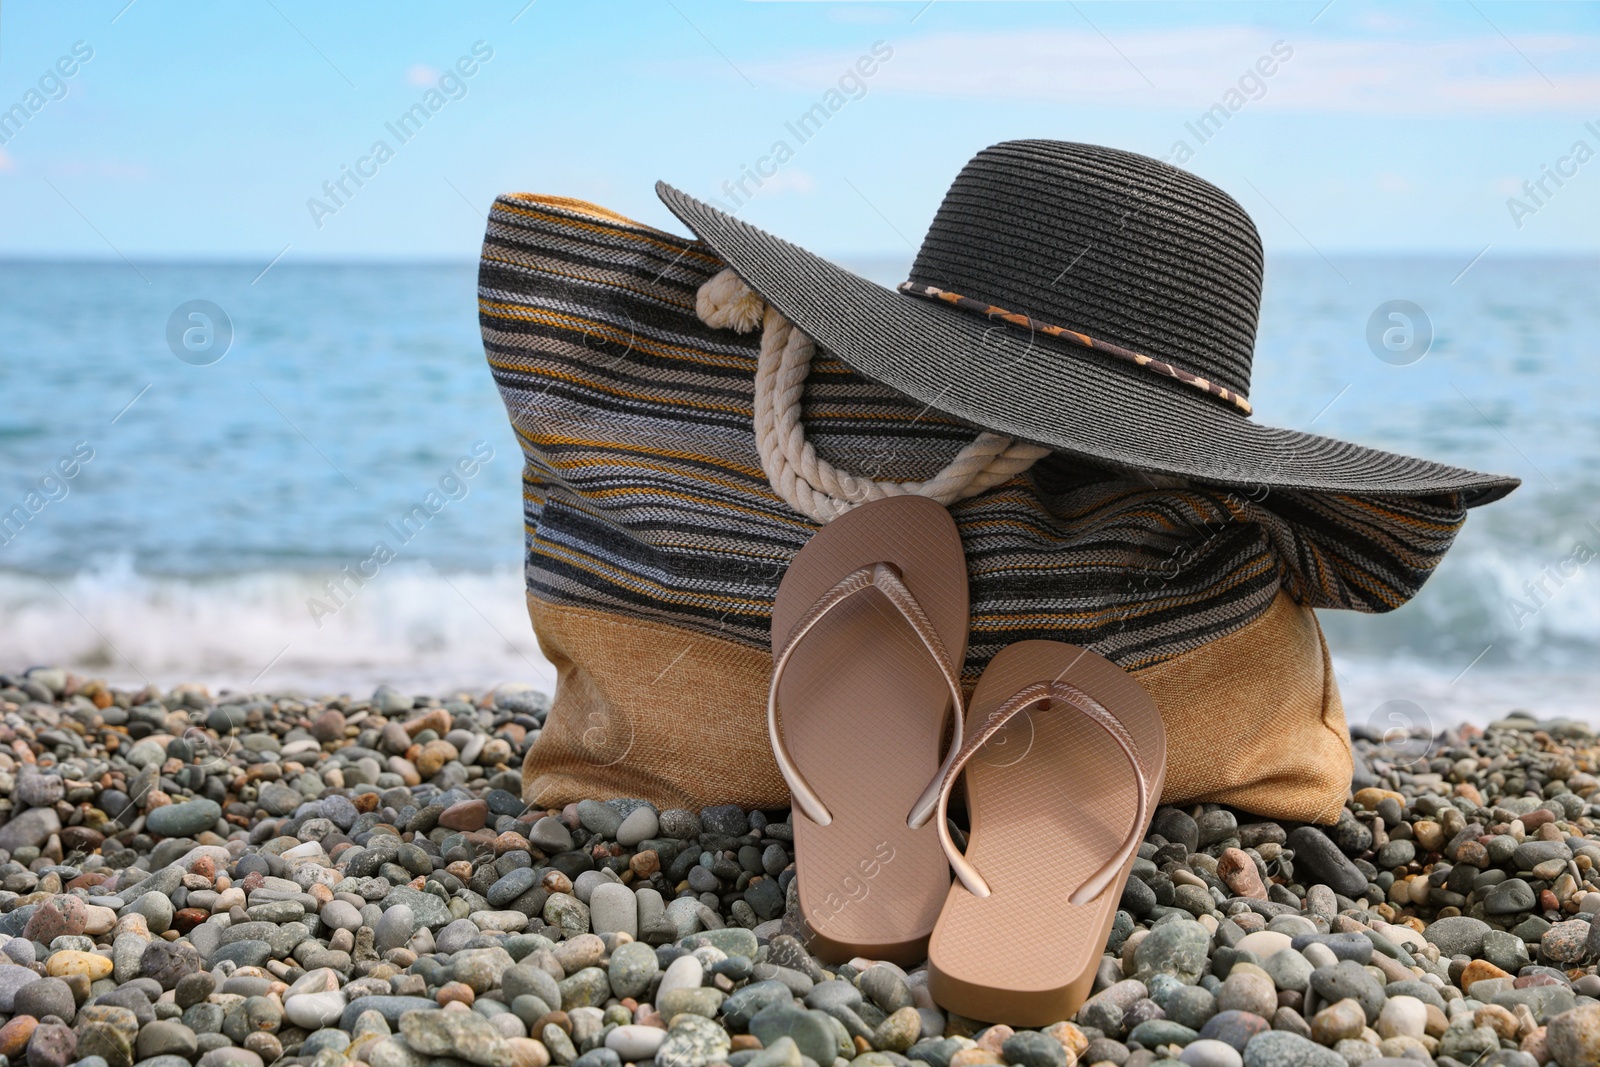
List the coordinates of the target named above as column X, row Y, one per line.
column 655, row 541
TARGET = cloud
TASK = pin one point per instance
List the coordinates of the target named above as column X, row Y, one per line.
column 1394, row 183
column 7, row 164
column 1192, row 68
column 421, row 74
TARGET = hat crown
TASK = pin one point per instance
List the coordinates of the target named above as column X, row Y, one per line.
column 1112, row 244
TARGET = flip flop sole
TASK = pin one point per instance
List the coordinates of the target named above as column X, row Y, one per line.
column 1051, row 798
column 862, row 711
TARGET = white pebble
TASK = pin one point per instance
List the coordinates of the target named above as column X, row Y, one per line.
column 684, row 972
column 709, row 955
column 635, row 1044
column 315, row 1010
column 228, row 899
column 99, row 920
column 1400, row 935
column 1207, row 1052
column 1403, row 1017
column 1319, row 955
column 320, row 980
column 1265, row 943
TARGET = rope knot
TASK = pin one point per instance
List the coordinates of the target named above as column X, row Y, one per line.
column 726, row 302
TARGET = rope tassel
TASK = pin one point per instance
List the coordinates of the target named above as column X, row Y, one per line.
column 804, row 480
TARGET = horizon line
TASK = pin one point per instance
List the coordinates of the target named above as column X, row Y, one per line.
column 879, row 257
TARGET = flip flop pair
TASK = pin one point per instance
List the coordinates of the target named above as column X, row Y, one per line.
column 1063, row 755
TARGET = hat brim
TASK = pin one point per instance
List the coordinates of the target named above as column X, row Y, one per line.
column 1037, row 389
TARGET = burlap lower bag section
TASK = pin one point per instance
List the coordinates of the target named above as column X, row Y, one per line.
column 645, row 710
column 655, row 544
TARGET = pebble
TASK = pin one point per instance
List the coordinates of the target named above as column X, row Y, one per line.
column 1248, row 991
column 14, row 1035
column 1264, row 943
column 885, row 987
column 613, row 910
column 811, row 1031
column 340, row 915
column 1030, row 1049
column 1238, row 870
column 1279, row 1048
column 1573, row 1037
column 68, row 962
column 692, row 1041
column 29, row 829
column 685, row 972
column 166, row 1037
column 1206, row 1052
column 550, row 835
column 1566, row 942
column 599, row 818
column 1402, row 1016
column 635, row 1043
column 640, row 825
column 315, row 1010
column 631, row 969
column 394, row 928
column 461, row 1034
column 52, row 1045
column 184, row 820
column 1321, row 859
column 1176, row 948
column 512, row 885
column 1457, row 935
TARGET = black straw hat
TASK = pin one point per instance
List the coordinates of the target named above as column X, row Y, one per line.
column 1091, row 300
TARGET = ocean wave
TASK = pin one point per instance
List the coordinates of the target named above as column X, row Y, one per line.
column 1455, row 651
column 1382, row 692
column 1532, row 603
column 411, row 625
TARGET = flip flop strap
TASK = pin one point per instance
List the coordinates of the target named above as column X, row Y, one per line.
column 883, row 578
column 807, row 482
column 1042, row 695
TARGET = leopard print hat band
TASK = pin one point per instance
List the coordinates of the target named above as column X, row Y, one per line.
column 967, row 303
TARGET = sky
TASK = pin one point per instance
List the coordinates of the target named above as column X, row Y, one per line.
column 232, row 131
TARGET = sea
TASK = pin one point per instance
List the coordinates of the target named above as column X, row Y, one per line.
column 203, row 452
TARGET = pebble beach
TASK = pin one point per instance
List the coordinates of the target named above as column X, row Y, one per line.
column 244, row 879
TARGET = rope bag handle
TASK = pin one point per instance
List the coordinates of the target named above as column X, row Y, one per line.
column 804, row 480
